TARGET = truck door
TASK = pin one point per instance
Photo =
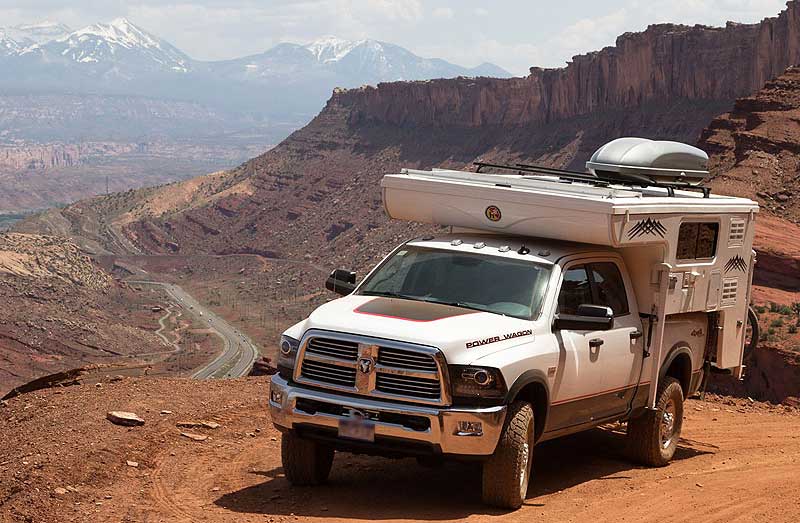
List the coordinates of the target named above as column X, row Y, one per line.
column 622, row 351
column 601, row 368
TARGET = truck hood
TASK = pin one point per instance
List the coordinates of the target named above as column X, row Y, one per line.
column 464, row 335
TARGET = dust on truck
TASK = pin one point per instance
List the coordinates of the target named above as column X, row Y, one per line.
column 557, row 301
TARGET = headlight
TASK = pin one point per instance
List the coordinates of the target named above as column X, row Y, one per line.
column 469, row 381
column 287, row 355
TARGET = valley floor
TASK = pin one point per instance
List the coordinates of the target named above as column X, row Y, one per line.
column 60, row 460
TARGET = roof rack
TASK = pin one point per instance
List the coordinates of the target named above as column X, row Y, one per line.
column 566, row 176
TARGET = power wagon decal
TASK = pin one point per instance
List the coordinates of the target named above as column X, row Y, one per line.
column 495, row 339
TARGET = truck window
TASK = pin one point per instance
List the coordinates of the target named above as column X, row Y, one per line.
column 593, row 284
column 575, row 290
column 697, row 241
column 608, row 287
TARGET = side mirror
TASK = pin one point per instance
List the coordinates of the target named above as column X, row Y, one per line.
column 589, row 318
column 341, row 281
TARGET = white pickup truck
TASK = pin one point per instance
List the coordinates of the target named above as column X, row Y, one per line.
column 480, row 344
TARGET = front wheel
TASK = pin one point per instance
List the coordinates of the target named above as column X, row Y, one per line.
column 305, row 462
column 653, row 436
column 507, row 472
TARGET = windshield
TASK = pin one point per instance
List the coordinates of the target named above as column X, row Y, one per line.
column 474, row 281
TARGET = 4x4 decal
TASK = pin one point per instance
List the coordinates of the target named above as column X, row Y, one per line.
column 646, row 227
column 736, row 263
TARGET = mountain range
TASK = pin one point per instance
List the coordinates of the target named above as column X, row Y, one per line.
column 288, row 83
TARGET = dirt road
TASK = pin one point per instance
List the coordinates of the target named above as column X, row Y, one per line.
column 738, row 461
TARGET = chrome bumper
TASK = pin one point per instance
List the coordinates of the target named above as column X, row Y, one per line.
column 444, row 433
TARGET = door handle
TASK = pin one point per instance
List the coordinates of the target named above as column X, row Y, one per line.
column 595, row 343
column 635, row 335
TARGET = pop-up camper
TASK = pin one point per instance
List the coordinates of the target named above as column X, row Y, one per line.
column 556, row 301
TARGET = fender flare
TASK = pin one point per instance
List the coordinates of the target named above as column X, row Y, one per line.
column 677, row 350
column 527, row 378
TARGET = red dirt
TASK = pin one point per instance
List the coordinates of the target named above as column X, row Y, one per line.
column 737, row 460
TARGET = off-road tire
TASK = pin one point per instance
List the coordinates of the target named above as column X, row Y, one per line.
column 646, row 442
column 503, row 485
column 305, row 462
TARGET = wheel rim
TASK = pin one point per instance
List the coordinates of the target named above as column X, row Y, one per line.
column 668, row 423
column 527, row 458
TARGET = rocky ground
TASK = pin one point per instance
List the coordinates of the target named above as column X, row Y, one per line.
column 62, row 460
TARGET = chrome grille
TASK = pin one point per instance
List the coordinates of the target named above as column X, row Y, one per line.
column 408, row 386
column 373, row 367
column 405, row 359
column 329, row 373
column 345, row 350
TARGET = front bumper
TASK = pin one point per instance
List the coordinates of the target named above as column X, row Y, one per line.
column 293, row 407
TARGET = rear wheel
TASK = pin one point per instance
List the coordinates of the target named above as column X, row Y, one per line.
column 305, row 462
column 507, row 472
column 653, row 436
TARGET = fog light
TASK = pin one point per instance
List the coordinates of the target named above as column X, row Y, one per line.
column 276, row 396
column 469, row 428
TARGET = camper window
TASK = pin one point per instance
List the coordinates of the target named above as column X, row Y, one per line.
column 697, row 240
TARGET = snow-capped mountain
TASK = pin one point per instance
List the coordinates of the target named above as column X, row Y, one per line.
column 119, row 44
column 332, row 49
column 347, row 63
column 288, row 83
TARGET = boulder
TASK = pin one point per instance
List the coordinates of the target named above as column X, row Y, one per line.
column 126, row 419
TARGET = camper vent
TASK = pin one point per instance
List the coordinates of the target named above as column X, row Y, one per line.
column 729, row 288
column 736, row 237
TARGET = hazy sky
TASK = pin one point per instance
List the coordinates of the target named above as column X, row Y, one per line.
column 514, row 34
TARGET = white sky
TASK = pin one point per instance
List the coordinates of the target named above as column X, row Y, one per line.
column 514, row 34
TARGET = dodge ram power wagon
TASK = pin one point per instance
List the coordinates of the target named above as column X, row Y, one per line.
column 482, row 342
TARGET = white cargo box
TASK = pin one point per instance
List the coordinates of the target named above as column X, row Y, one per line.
column 547, row 207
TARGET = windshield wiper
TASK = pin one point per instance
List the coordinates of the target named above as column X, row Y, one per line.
column 458, row 304
column 390, row 294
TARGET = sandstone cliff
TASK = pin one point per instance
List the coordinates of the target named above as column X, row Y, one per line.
column 755, row 147
column 666, row 62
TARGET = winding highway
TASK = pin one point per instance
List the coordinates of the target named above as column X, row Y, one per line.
column 239, row 352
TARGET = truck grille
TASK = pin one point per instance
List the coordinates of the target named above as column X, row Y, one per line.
column 329, row 373
column 406, row 359
column 345, row 350
column 408, row 386
column 353, row 364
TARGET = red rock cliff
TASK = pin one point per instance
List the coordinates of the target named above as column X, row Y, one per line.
column 665, row 62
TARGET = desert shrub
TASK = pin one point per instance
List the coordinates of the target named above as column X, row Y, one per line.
column 760, row 309
column 771, row 331
column 773, row 307
column 786, row 310
column 777, row 322
column 792, row 329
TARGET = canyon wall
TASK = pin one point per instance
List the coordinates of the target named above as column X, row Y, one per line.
column 50, row 156
column 664, row 63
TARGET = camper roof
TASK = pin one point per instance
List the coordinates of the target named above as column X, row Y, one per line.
column 615, row 197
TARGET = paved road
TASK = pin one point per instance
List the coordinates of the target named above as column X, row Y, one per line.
column 239, row 352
